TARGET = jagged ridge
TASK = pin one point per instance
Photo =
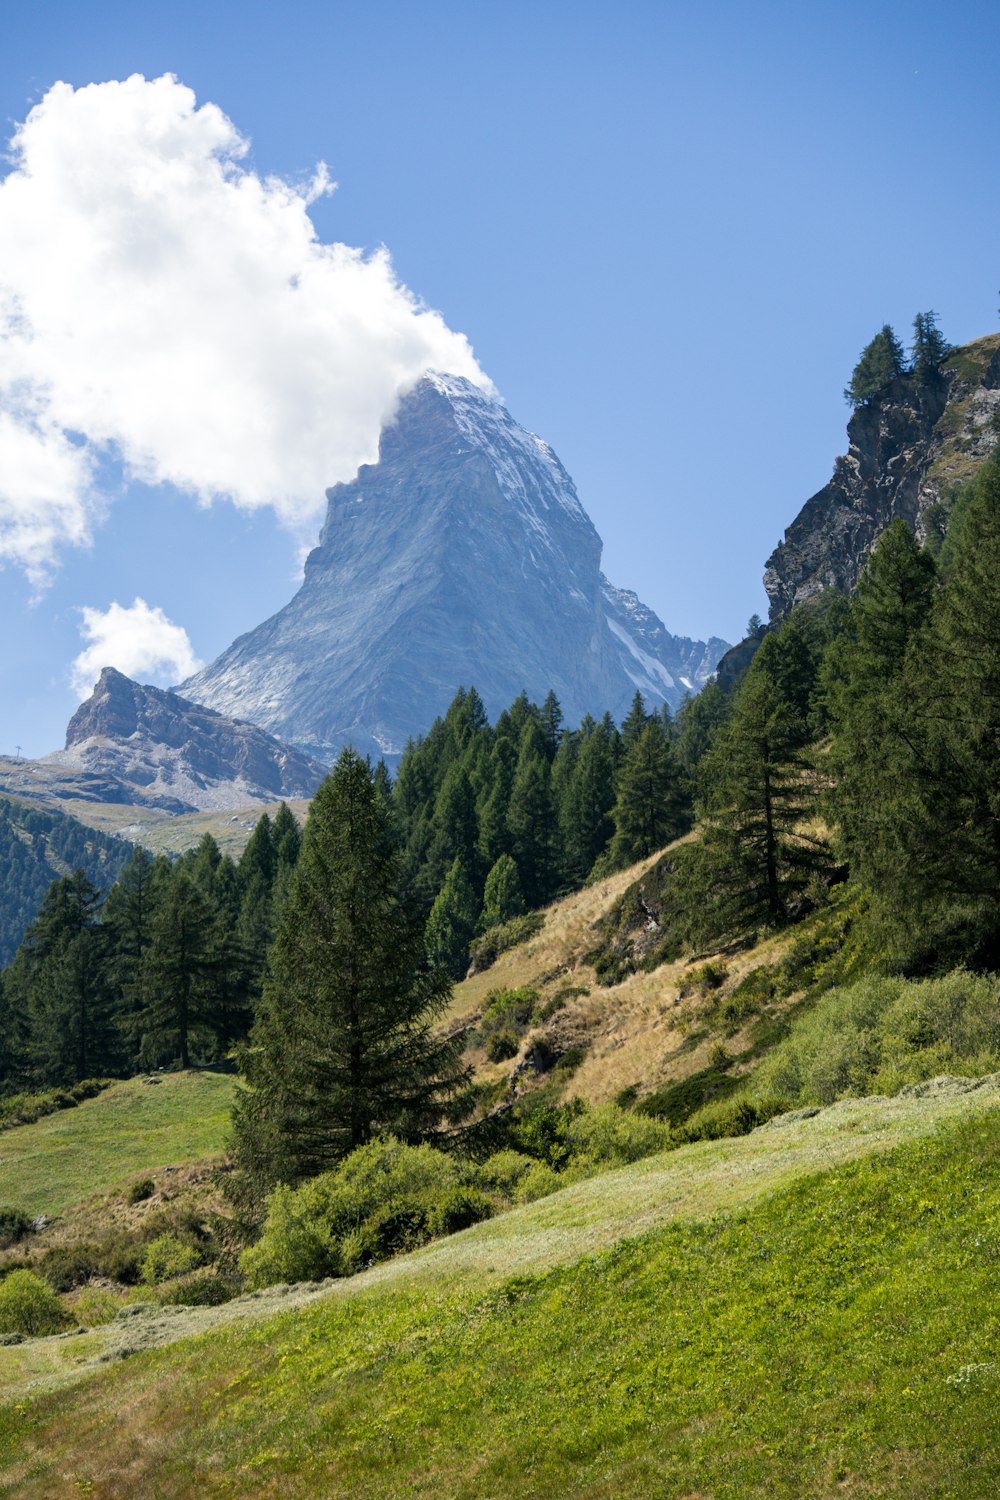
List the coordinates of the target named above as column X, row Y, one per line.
column 463, row 557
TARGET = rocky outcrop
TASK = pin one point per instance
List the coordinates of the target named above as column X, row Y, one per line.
column 462, row 558
column 155, row 749
column 908, row 452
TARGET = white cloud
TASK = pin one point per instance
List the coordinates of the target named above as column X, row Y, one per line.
column 140, row 641
column 161, row 301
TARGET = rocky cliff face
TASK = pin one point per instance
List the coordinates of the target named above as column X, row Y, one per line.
column 908, row 451
column 156, row 749
column 462, row 558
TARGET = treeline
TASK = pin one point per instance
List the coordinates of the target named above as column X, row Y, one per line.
column 864, row 744
column 489, row 821
column 168, row 966
column 495, row 820
column 36, row 848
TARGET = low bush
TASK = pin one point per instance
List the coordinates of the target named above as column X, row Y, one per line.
column 879, row 1034
column 485, row 950
column 140, row 1191
column 95, row 1305
column 29, row 1306
column 14, row 1225
column 25, row 1109
column 166, row 1257
column 330, row 1225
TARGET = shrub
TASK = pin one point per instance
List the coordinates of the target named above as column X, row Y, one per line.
column 538, row 1182
column 167, row 1256
column 14, row 1225
column 309, row 1230
column 28, row 1305
column 141, row 1190
column 501, row 1172
column 485, row 950
column 25, row 1109
column 501, row 1046
column 67, row 1266
column 205, row 1287
column 458, row 1209
column 94, row 1306
column 607, row 1136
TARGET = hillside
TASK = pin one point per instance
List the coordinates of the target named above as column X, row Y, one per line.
column 37, row 847
column 137, row 1126
column 773, row 1337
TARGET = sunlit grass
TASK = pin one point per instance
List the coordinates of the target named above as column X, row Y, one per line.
column 805, row 1347
column 130, row 1128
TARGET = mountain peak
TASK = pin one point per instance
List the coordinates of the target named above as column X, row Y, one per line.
column 463, row 556
column 180, row 755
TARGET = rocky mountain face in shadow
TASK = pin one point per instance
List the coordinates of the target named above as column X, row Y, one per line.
column 462, row 558
column 149, row 747
column 909, row 449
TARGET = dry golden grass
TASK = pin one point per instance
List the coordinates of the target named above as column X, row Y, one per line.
column 641, row 1033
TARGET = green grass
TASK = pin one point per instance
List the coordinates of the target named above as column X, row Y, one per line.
column 132, row 1127
column 809, row 1343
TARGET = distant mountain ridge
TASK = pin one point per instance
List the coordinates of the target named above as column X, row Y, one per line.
column 463, row 557
column 150, row 747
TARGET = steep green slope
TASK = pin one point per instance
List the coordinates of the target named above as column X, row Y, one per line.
column 838, row 1336
column 36, row 848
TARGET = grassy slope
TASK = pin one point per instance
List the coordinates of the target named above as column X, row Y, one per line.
column 131, row 1128
column 650, row 1029
column 793, row 1345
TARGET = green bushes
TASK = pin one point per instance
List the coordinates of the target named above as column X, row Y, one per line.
column 344, row 1219
column 139, row 1191
column 388, row 1197
column 506, row 1017
column 168, row 1256
column 14, row 1225
column 29, row 1306
column 879, row 1034
column 485, row 951
column 25, row 1109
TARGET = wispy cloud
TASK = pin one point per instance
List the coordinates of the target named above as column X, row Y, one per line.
column 162, row 302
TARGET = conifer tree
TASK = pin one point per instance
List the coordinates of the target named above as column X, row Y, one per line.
column 502, row 898
column 887, row 612
column 649, row 809
column 586, row 813
column 881, row 362
column 634, row 723
column 932, row 857
column 183, row 972
column 343, row 1046
column 452, row 922
column 930, row 347
column 531, row 819
column 127, row 919
column 70, row 1036
column 756, row 855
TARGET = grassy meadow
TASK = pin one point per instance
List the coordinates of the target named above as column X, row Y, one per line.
column 832, row 1335
column 130, row 1128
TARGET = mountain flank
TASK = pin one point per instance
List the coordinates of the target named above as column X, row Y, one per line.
column 910, row 448
column 151, row 748
column 463, row 556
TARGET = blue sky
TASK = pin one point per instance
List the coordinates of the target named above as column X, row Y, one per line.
column 666, row 230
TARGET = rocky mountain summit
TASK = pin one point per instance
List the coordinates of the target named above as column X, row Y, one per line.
column 152, row 748
column 909, row 450
column 462, row 558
